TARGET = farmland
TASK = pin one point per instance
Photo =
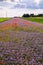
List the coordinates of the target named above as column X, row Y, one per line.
column 21, row 42
column 35, row 19
column 3, row 19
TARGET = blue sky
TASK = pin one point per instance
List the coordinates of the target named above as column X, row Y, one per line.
column 31, row 4
column 20, row 6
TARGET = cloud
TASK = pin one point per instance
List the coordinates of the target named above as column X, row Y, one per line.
column 25, row 4
column 1, row 0
column 41, row 4
column 32, row 4
column 5, row 4
column 37, row 1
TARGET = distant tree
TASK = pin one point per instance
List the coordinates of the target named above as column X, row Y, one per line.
column 40, row 15
column 26, row 15
column 32, row 15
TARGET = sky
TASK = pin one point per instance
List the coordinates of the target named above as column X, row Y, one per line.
column 13, row 8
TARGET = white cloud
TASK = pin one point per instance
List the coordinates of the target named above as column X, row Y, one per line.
column 18, row 12
column 19, row 7
column 21, row 3
column 37, row 1
column 17, row 0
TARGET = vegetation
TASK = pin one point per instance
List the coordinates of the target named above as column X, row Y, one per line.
column 23, row 46
column 4, row 19
column 26, row 15
column 34, row 19
column 32, row 15
column 21, row 43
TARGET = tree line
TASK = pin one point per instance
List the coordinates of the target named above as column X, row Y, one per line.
column 32, row 15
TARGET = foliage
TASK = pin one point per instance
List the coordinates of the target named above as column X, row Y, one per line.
column 25, row 15
column 32, row 15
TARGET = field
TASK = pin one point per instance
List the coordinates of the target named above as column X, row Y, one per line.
column 21, row 42
column 3, row 19
column 35, row 19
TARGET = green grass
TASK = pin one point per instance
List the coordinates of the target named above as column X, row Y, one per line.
column 35, row 19
column 3, row 19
